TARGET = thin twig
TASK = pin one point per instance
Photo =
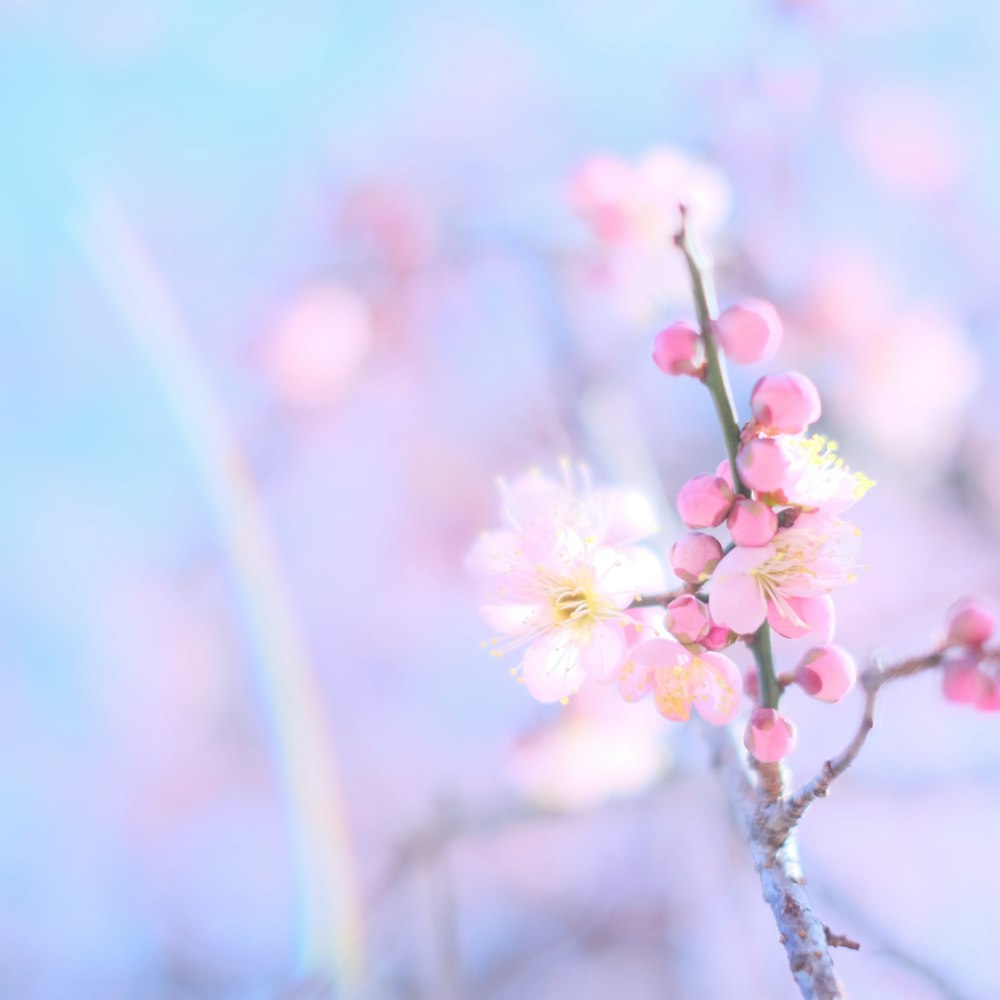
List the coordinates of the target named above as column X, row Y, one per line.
column 872, row 680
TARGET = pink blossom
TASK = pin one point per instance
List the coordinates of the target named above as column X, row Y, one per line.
column 813, row 616
column 970, row 622
column 769, row 736
column 762, row 465
column 749, row 331
column 558, row 577
column 751, row 522
column 811, row 558
column 694, row 556
column 786, row 403
column 826, row 673
column 678, row 350
column 704, row 501
column 816, row 478
column 682, row 678
column 687, row 618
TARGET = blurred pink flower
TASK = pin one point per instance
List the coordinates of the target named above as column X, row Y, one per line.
column 559, row 577
column 319, row 345
column 633, row 210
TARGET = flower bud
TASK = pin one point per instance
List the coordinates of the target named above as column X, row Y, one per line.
column 678, row 350
column 785, row 404
column 717, row 637
column 762, row 465
column 827, row 673
column 816, row 614
column 704, row 501
column 694, row 556
column 724, row 470
column 970, row 622
column 988, row 699
column 687, row 618
column 769, row 736
column 751, row 522
column 962, row 681
column 749, row 331
column 751, row 684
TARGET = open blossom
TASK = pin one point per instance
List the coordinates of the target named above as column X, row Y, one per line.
column 558, row 578
column 816, row 476
column 811, row 558
column 682, row 677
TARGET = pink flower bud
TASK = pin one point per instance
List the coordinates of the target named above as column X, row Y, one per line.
column 717, row 637
column 749, row 331
column 827, row 673
column 785, row 404
column 988, row 699
column 694, row 556
column 687, row 618
column 751, row 684
column 751, row 522
column 970, row 622
column 704, row 501
column 769, row 735
column 678, row 350
column 816, row 614
column 762, row 465
column 724, row 470
column 962, row 681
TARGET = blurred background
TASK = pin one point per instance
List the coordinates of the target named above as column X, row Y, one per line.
column 283, row 288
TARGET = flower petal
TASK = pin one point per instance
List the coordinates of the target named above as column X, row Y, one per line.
column 718, row 701
column 736, row 601
column 603, row 655
column 551, row 668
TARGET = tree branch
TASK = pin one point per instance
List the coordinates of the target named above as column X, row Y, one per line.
column 774, row 850
column 872, row 680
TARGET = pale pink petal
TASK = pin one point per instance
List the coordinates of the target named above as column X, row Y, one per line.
column 551, row 668
column 634, row 680
column 603, row 655
column 511, row 618
column 718, row 701
column 646, row 571
column 736, row 600
column 817, row 615
column 492, row 552
column 627, row 516
column 614, row 576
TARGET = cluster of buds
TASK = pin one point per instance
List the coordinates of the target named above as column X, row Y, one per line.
column 779, row 500
column 971, row 671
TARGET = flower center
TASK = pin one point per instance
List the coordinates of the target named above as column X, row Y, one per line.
column 573, row 604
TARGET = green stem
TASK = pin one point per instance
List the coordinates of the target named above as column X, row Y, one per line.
column 716, row 379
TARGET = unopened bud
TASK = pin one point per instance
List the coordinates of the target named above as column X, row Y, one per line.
column 749, row 331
